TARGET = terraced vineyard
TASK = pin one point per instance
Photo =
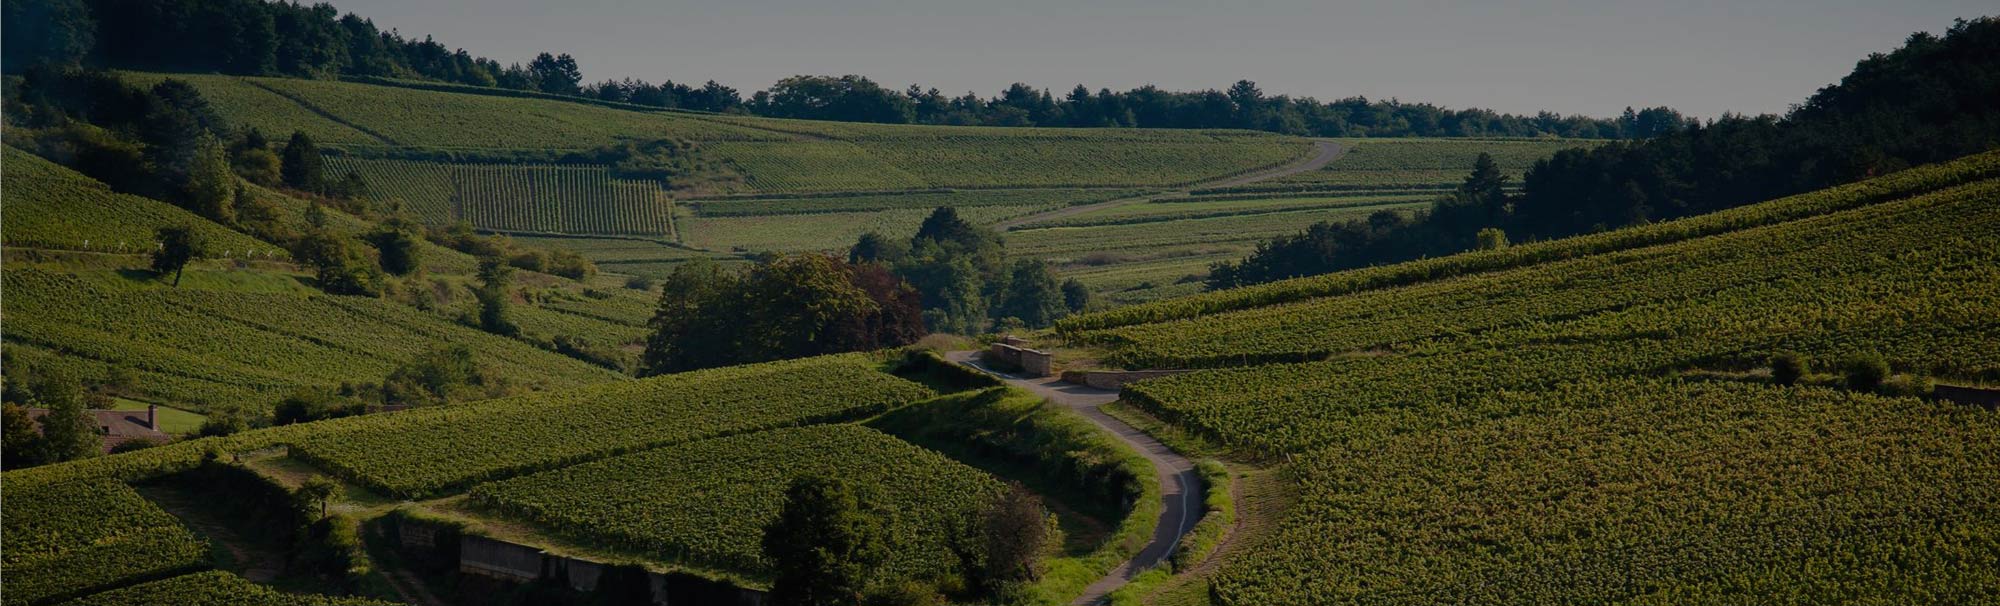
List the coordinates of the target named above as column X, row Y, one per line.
column 1173, row 209
column 73, row 536
column 706, row 503
column 208, row 350
column 529, row 198
column 51, row 206
column 1520, row 430
column 431, row 451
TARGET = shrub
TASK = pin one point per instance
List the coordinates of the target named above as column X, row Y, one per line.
column 1865, row 372
column 1787, row 368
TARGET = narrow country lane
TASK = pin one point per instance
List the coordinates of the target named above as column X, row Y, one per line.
column 1180, row 487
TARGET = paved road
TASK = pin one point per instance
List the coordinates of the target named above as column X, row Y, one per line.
column 1179, row 485
column 1327, row 150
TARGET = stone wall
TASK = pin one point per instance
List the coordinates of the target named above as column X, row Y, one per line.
column 1031, row 362
column 1977, row 396
column 520, row 563
column 499, row 559
column 1113, row 379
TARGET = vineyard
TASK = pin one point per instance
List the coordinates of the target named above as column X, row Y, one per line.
column 50, row 206
column 639, row 257
column 706, row 503
column 1899, row 185
column 213, row 588
column 529, row 198
column 1236, row 231
column 1174, row 209
column 825, row 231
column 431, row 451
column 926, row 200
column 209, row 350
column 1635, row 491
column 1675, row 289
column 70, row 537
column 791, row 166
column 1520, row 431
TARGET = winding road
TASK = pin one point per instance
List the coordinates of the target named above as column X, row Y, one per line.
column 1180, row 487
column 1325, row 152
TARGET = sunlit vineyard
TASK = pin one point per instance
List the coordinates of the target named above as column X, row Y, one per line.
column 1538, row 398
column 1856, row 257
column 49, row 206
column 551, row 199
column 785, row 166
column 206, row 350
column 1903, row 184
column 1650, row 492
column 430, row 451
column 74, row 535
column 706, row 503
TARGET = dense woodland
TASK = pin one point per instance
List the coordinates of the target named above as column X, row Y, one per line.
column 253, row 37
column 1930, row 101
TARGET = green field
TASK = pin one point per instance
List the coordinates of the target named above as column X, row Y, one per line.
column 434, row 450
column 1417, row 162
column 706, row 503
column 50, row 206
column 172, row 420
column 209, row 350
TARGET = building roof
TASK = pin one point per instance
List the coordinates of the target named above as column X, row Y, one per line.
column 116, row 426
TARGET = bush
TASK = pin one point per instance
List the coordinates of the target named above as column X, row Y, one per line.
column 1787, row 368
column 1865, row 372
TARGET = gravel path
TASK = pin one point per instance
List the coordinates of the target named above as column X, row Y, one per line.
column 1326, row 151
column 1180, row 487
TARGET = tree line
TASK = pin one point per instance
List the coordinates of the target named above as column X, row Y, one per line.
column 950, row 277
column 254, row 37
column 1929, row 101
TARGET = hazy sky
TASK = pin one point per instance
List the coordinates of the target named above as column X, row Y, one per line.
column 1590, row 57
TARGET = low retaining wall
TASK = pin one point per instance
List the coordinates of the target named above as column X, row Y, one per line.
column 519, row 563
column 1977, row 396
column 1033, row 363
column 1113, row 379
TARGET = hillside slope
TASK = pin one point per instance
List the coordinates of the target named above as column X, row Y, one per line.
column 1589, row 421
column 51, row 206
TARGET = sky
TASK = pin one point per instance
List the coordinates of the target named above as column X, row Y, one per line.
column 1573, row 57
